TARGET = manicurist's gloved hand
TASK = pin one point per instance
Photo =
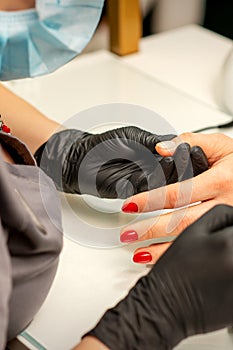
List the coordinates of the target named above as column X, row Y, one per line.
column 117, row 163
column 181, row 294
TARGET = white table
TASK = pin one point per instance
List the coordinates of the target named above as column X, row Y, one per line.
column 91, row 280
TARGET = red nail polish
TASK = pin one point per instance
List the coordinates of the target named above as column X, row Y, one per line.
column 142, row 258
column 130, row 208
column 129, row 236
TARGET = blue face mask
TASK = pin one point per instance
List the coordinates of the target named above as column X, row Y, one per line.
column 38, row 41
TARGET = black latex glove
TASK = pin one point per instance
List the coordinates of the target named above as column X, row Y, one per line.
column 115, row 164
column 189, row 291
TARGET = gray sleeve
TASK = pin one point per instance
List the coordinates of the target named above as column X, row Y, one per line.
column 5, row 286
column 30, row 244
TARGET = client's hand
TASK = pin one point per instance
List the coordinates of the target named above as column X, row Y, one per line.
column 117, row 163
column 215, row 186
column 180, row 296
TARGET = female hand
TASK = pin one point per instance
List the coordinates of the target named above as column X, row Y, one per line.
column 212, row 187
column 180, row 296
column 117, row 163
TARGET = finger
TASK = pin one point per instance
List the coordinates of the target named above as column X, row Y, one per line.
column 214, row 146
column 168, row 147
column 143, row 137
column 151, row 254
column 167, row 137
column 181, row 162
column 177, row 168
column 150, row 141
column 164, row 226
column 199, row 160
column 200, row 188
column 157, row 177
column 197, row 163
column 167, row 165
column 172, row 169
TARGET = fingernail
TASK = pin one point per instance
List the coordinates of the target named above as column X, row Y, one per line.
column 129, row 236
column 142, row 258
column 169, row 145
column 130, row 208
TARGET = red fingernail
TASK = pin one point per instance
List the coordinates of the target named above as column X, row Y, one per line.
column 130, row 208
column 142, row 258
column 129, row 236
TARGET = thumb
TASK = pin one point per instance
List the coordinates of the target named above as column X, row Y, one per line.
column 215, row 146
column 151, row 141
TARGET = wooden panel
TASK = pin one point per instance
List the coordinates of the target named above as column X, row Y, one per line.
column 125, row 26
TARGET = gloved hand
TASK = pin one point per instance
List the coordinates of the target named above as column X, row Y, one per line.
column 180, row 296
column 115, row 164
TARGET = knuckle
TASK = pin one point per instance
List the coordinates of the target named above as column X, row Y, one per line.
column 172, row 198
column 221, row 136
column 186, row 221
column 186, row 137
column 223, row 182
column 150, row 233
column 144, row 201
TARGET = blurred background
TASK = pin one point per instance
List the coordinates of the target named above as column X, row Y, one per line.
column 163, row 15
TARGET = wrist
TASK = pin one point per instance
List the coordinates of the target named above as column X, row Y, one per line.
column 148, row 317
column 166, row 312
